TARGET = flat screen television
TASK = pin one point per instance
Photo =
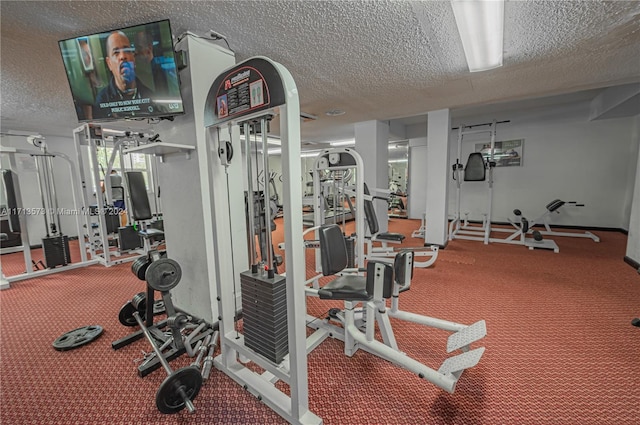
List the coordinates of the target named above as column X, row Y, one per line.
column 126, row 73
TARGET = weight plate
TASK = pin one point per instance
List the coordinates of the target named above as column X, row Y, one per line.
column 168, row 397
column 158, row 307
column 139, row 267
column 77, row 337
column 163, row 274
column 139, row 302
column 125, row 316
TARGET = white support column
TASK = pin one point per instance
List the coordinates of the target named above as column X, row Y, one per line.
column 438, row 165
column 183, row 194
column 417, row 184
column 372, row 143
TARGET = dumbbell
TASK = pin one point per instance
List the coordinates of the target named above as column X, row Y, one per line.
column 180, row 387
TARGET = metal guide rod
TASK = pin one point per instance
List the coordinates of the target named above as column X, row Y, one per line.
column 54, row 197
column 251, row 235
column 267, row 207
column 40, row 187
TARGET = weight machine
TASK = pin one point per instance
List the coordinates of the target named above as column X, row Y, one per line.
column 55, row 244
column 273, row 336
column 478, row 169
column 329, row 199
column 554, row 207
column 106, row 240
column 384, row 280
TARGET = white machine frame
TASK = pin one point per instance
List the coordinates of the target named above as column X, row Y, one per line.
column 78, row 205
column 460, row 228
column 545, row 218
column 98, row 238
column 234, row 353
column 352, row 320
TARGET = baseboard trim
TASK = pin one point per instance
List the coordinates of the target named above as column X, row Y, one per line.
column 633, row 263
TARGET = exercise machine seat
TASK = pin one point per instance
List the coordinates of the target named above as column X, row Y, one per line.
column 554, row 205
column 400, row 269
column 372, row 222
column 140, row 208
column 475, row 170
column 333, row 254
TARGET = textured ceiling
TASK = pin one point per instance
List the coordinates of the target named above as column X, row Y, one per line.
column 377, row 60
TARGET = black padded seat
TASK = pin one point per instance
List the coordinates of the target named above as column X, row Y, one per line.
column 348, row 287
column 140, row 208
column 399, row 269
column 554, row 205
column 393, row 237
column 372, row 222
column 333, row 250
column 150, row 232
column 475, row 170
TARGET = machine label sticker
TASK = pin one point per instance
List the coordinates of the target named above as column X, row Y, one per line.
column 249, row 87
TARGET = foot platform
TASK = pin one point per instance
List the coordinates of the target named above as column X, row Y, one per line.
column 461, row 361
column 466, row 336
column 543, row 244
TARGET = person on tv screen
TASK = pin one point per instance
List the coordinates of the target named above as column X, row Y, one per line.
column 118, row 99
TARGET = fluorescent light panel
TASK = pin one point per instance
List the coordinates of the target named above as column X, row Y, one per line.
column 343, row 143
column 481, row 27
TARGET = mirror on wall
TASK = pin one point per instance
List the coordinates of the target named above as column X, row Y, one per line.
column 398, row 175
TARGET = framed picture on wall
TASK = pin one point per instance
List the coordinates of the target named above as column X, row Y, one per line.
column 506, row 154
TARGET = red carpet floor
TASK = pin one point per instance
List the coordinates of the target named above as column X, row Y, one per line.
column 560, row 348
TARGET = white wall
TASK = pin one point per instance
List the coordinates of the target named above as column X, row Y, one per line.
column 565, row 157
column 633, row 241
column 27, row 177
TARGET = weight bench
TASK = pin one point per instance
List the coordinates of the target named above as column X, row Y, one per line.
column 373, row 290
column 384, row 251
column 554, row 207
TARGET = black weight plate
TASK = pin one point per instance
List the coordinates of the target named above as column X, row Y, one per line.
column 125, row 316
column 163, row 274
column 77, row 337
column 158, row 307
column 139, row 302
column 139, row 267
column 168, row 398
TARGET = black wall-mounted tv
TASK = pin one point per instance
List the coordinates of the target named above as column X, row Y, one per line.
column 126, row 73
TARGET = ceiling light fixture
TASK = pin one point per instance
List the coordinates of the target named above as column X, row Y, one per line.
column 481, row 27
column 308, row 154
column 335, row 112
column 343, row 143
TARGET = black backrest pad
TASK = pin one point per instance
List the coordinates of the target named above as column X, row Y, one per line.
column 387, row 289
column 475, row 170
column 8, row 177
column 399, row 266
column 554, row 205
column 370, row 213
column 141, row 210
column 333, row 250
